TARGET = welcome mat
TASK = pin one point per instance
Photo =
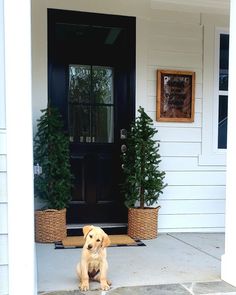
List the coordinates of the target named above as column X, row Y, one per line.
column 116, row 241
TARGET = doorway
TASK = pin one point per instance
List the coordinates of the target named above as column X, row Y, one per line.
column 91, row 79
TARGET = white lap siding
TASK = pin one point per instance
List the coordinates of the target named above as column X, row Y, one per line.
column 195, row 197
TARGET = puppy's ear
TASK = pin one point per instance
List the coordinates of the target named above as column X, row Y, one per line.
column 86, row 230
column 106, row 241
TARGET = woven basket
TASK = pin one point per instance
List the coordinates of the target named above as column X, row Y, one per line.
column 50, row 225
column 142, row 223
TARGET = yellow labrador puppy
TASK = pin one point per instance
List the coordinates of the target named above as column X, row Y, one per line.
column 93, row 264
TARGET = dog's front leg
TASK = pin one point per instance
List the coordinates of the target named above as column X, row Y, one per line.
column 84, row 277
column 103, row 276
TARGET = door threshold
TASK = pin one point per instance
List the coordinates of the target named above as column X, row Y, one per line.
column 109, row 228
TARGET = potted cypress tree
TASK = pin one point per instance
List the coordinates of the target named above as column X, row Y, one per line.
column 53, row 184
column 143, row 181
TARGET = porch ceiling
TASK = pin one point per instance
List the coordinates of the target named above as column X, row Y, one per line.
column 203, row 6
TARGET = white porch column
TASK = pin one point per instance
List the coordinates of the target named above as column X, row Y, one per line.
column 17, row 20
column 229, row 258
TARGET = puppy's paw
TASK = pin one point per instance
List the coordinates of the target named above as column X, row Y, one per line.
column 84, row 287
column 105, row 287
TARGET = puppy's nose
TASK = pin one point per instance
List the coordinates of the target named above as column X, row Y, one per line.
column 90, row 246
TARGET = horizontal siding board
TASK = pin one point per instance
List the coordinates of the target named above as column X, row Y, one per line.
column 179, row 134
column 192, row 206
column 211, row 7
column 3, row 279
column 174, row 59
column 3, row 143
column 178, row 163
column 3, row 249
column 185, row 164
column 195, row 178
column 189, row 221
column 172, row 192
column 151, row 104
column 173, row 16
column 3, row 187
column 175, row 30
column 190, row 45
column 198, row 91
column 3, row 163
column 151, row 88
column 198, row 105
column 3, row 215
column 180, row 149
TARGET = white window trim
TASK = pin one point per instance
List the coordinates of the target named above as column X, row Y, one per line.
column 211, row 155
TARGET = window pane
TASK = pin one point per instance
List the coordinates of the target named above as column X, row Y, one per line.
column 224, row 62
column 79, row 123
column 90, row 104
column 79, row 84
column 222, row 122
column 102, row 124
column 102, row 85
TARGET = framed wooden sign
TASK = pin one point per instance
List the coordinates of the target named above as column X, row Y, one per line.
column 175, row 96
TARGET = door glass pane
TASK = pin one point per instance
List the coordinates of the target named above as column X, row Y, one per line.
column 91, row 120
column 102, row 85
column 102, row 124
column 79, row 84
column 79, row 123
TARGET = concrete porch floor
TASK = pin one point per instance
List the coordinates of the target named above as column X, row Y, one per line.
column 175, row 263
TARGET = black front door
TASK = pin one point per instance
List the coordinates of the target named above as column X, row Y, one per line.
column 91, row 62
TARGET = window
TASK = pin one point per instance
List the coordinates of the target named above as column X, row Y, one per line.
column 211, row 153
column 222, row 89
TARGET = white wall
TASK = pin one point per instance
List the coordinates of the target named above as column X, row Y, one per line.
column 3, row 173
column 195, row 197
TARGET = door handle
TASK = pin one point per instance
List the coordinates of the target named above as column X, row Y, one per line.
column 123, row 148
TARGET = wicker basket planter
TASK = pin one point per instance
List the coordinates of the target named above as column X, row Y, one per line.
column 142, row 223
column 50, row 225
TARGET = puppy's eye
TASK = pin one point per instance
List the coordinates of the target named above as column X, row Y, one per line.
column 90, row 236
column 98, row 240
